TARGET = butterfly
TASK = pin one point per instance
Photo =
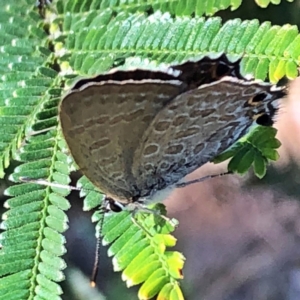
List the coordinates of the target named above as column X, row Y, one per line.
column 136, row 134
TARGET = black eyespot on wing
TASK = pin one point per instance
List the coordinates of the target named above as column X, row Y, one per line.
column 259, row 97
column 265, row 120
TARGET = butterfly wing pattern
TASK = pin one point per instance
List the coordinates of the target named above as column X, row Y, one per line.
column 104, row 123
column 197, row 126
column 133, row 133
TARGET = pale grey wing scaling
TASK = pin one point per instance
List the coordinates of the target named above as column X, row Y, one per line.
column 103, row 124
column 198, row 125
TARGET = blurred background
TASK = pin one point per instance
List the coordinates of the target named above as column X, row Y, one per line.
column 240, row 235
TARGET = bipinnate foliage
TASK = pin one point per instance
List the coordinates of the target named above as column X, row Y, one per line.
column 42, row 51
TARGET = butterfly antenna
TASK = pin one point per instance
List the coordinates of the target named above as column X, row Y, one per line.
column 98, row 244
column 184, row 184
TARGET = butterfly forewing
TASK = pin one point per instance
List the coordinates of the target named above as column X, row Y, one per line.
column 103, row 125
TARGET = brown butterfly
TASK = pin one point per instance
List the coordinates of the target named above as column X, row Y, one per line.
column 140, row 132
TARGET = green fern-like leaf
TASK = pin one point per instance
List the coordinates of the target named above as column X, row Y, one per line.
column 255, row 149
column 175, row 7
column 162, row 38
column 160, row 268
column 25, row 81
column 33, row 242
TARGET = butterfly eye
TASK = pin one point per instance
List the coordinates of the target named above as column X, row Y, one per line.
column 114, row 206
